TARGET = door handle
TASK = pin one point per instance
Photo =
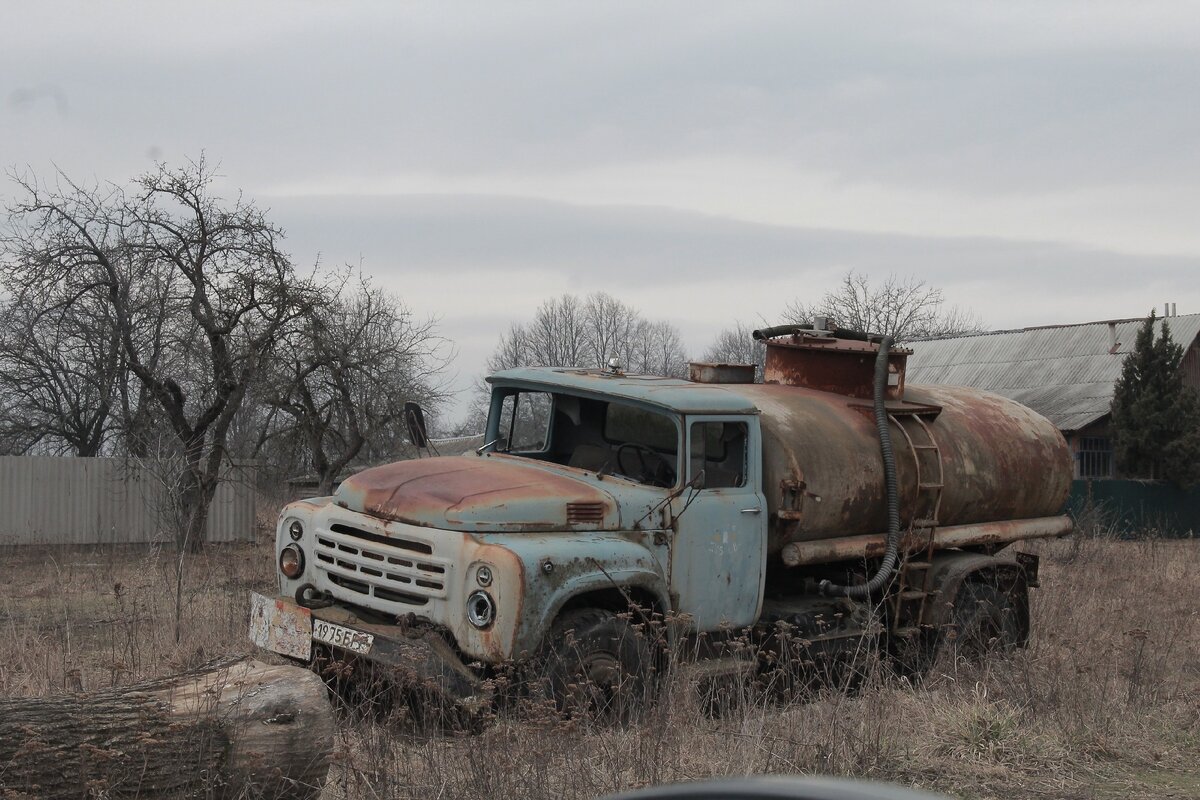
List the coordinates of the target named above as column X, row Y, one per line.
column 755, row 510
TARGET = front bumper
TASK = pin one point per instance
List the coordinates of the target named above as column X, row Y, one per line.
column 419, row 658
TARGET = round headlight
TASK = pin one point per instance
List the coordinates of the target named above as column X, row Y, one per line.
column 291, row 561
column 296, row 530
column 483, row 575
column 481, row 609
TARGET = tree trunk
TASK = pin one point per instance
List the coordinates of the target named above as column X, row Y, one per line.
column 242, row 730
column 195, row 500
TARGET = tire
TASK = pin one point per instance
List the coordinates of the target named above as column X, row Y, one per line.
column 595, row 664
column 988, row 619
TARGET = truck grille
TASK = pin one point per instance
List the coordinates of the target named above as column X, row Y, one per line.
column 370, row 564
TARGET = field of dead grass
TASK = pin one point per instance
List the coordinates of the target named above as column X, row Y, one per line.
column 1105, row 702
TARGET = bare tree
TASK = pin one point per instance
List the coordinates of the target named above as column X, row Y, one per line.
column 60, row 371
column 345, row 372
column 166, row 254
column 737, row 345
column 610, row 328
column 656, row 348
column 907, row 308
column 569, row 332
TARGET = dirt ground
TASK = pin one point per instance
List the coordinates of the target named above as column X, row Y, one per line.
column 1104, row 703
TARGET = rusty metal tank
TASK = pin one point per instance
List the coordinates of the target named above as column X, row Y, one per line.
column 990, row 458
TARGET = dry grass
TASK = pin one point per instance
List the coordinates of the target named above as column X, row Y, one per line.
column 1104, row 703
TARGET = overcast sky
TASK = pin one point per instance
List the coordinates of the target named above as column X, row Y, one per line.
column 706, row 162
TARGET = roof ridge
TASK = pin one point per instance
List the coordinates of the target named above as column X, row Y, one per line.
column 1059, row 326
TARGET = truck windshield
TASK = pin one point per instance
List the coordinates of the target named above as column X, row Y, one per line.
column 613, row 438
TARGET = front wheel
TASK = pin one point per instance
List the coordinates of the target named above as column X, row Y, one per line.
column 596, row 663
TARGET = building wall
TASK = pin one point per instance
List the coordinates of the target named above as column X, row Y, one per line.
column 1190, row 366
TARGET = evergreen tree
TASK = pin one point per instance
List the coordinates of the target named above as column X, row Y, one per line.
column 1155, row 417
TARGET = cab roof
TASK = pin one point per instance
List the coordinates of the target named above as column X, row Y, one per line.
column 672, row 394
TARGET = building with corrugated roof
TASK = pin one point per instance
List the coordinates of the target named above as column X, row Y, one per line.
column 1066, row 373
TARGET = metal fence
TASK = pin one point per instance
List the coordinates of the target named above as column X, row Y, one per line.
column 53, row 500
column 1134, row 507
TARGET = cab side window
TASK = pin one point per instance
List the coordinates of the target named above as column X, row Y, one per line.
column 719, row 448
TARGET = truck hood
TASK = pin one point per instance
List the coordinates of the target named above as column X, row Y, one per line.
column 487, row 494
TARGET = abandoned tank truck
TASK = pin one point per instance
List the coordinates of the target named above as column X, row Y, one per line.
column 832, row 500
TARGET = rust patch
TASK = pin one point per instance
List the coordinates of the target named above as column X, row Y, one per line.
column 844, row 548
column 495, row 493
column 839, row 366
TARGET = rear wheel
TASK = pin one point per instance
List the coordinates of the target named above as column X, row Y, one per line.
column 595, row 663
column 988, row 617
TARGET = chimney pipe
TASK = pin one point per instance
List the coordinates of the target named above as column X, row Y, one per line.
column 1113, row 344
column 1174, row 312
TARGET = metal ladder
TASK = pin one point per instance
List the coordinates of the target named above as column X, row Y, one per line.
column 912, row 600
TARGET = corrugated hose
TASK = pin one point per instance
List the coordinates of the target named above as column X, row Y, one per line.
column 884, row 573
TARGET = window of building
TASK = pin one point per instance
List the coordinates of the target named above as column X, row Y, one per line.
column 1094, row 457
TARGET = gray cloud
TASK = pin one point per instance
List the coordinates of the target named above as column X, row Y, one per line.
column 933, row 95
column 663, row 247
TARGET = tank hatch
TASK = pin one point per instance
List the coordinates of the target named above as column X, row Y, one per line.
column 705, row 372
column 837, row 361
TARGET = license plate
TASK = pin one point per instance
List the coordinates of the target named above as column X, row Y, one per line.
column 339, row 636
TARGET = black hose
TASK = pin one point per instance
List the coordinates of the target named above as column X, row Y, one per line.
column 792, row 330
column 857, row 336
column 779, row 330
column 890, row 554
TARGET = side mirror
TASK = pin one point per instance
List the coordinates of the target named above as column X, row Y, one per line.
column 414, row 420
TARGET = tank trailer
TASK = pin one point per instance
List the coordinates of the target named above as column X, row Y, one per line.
column 831, row 500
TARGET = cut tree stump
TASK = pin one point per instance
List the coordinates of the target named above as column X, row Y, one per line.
column 246, row 729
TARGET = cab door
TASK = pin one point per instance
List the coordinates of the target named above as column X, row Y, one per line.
column 719, row 543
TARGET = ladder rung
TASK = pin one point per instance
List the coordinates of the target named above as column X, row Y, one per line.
column 912, row 594
column 918, row 564
column 925, row 447
column 907, row 631
column 930, row 485
column 924, row 523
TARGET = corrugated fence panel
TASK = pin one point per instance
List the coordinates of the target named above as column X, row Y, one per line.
column 50, row 500
column 1136, row 507
column 231, row 516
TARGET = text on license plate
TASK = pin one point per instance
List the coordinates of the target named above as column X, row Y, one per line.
column 345, row 638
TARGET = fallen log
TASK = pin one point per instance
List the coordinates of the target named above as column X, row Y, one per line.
column 246, row 729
